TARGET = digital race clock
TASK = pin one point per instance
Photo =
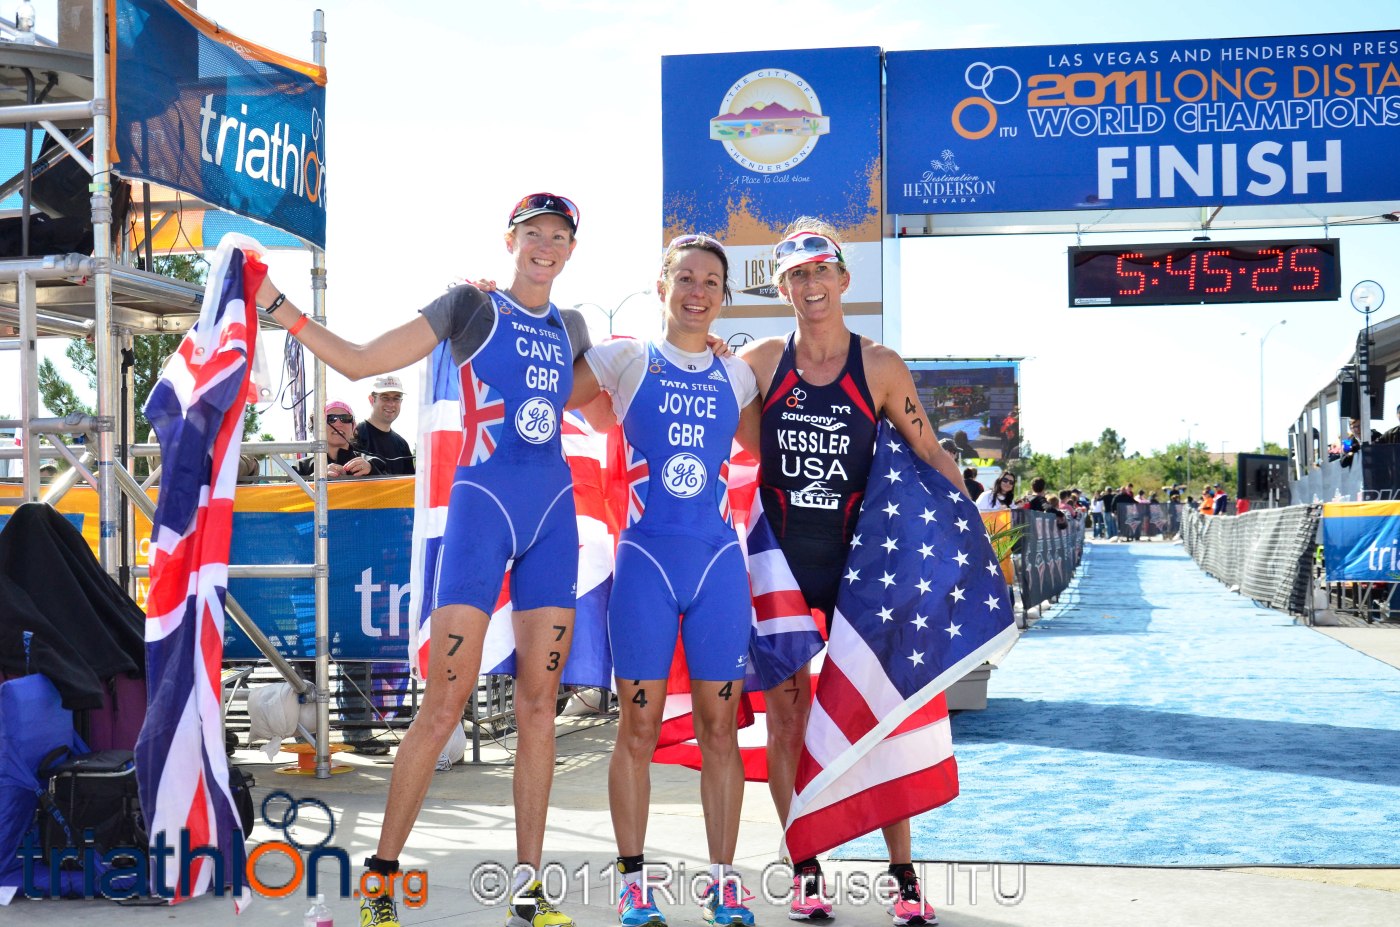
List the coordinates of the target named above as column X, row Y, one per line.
column 1205, row 272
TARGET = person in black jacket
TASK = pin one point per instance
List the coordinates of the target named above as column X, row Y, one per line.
column 343, row 459
column 375, row 437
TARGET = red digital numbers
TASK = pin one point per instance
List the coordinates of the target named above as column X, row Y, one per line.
column 1136, row 274
column 1311, row 270
column 1189, row 273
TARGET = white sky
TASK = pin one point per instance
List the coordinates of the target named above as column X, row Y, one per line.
column 441, row 114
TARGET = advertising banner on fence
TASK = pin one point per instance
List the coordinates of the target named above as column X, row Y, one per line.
column 1361, row 541
column 751, row 141
column 1207, row 122
column 974, row 402
column 205, row 112
column 371, row 522
column 1050, row 547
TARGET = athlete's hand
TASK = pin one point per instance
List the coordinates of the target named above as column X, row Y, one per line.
column 485, row 286
column 718, row 345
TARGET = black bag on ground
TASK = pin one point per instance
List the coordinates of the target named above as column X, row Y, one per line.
column 240, row 784
column 92, row 801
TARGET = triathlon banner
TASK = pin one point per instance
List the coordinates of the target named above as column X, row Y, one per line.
column 202, row 111
column 752, row 140
column 1361, row 541
column 1206, row 122
column 371, row 522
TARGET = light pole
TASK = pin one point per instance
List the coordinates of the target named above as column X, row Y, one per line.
column 616, row 310
column 1070, row 452
column 1261, row 379
column 1189, row 426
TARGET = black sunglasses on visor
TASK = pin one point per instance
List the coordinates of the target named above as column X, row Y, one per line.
column 340, row 419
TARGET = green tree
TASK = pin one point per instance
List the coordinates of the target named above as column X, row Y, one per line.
column 147, row 358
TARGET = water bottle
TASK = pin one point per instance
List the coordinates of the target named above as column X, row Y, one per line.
column 318, row 915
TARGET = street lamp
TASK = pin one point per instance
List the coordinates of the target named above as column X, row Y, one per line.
column 616, row 310
column 1070, row 452
column 1261, row 379
column 1189, row 426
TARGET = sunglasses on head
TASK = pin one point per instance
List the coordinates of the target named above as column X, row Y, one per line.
column 811, row 244
column 546, row 202
column 340, row 419
column 697, row 240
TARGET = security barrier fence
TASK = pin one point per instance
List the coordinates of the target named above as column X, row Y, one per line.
column 1266, row 554
column 1047, row 554
column 1137, row 520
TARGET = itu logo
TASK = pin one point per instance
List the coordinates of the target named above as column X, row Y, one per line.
column 995, row 85
column 769, row 121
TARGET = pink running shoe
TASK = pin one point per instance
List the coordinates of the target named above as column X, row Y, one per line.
column 809, row 897
column 911, row 907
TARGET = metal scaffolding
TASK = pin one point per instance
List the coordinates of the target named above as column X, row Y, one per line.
column 105, row 297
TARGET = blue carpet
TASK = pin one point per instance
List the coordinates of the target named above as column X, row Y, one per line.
column 1157, row 719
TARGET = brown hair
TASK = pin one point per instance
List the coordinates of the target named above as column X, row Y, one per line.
column 697, row 242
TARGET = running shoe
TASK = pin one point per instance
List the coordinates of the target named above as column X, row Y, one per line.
column 636, row 907
column 809, row 901
column 910, row 908
column 723, row 903
column 530, row 908
column 378, row 911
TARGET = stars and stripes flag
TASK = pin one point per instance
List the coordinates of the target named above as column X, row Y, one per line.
column 447, row 420
column 197, row 411
column 922, row 603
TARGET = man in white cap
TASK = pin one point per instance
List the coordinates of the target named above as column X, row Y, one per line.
column 385, row 448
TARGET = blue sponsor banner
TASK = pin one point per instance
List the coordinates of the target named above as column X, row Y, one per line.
column 202, row 111
column 369, row 577
column 1211, row 122
column 1361, row 541
column 752, row 140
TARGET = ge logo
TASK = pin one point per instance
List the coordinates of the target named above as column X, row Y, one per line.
column 534, row 420
column 292, row 811
column 683, row 476
column 794, row 400
column 997, row 84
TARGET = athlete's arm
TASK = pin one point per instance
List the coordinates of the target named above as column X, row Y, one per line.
column 747, row 433
column 762, row 358
column 588, row 397
column 395, row 349
column 892, row 388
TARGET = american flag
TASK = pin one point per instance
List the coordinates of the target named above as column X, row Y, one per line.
column 922, row 603
column 443, row 420
column 197, row 411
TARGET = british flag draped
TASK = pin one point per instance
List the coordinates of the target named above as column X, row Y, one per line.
column 922, row 603
column 197, row 411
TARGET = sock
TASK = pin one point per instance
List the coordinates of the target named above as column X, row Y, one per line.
column 717, row 872
column 631, row 868
column 801, row 867
column 903, row 871
column 524, row 875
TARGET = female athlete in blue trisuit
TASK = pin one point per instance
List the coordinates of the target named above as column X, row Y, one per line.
column 510, row 500
column 680, row 408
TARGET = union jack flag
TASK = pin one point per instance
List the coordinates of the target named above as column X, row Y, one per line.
column 483, row 411
column 443, row 421
column 197, row 411
column 922, row 603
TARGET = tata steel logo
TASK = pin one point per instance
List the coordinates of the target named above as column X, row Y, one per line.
column 769, row 121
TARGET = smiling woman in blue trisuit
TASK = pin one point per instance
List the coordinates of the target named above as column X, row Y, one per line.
column 681, row 408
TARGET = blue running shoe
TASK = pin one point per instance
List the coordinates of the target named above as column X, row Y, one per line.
column 722, row 903
column 636, row 907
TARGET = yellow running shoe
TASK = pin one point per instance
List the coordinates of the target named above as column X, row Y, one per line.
column 530, row 908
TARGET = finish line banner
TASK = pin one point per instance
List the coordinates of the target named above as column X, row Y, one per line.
column 1361, row 541
column 200, row 110
column 1261, row 121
